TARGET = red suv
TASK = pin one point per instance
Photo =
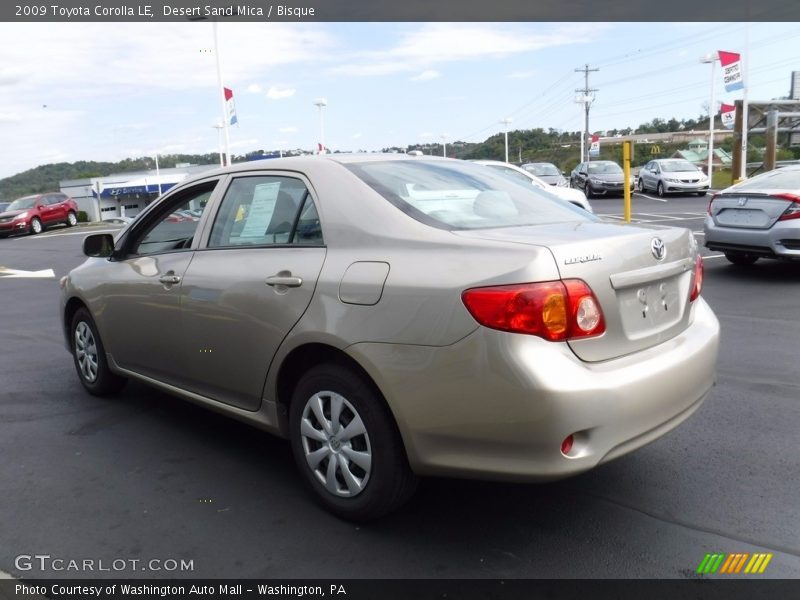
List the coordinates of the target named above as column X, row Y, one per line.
column 35, row 213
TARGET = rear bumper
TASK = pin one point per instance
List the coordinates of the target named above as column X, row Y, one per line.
column 782, row 240
column 498, row 405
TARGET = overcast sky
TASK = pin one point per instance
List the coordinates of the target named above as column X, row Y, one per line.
column 105, row 91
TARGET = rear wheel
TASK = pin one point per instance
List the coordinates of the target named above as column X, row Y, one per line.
column 36, row 226
column 90, row 357
column 741, row 258
column 72, row 219
column 346, row 444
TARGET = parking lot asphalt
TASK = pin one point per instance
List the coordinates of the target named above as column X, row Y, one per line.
column 143, row 476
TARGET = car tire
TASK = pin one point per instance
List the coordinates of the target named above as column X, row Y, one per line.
column 89, row 356
column 588, row 192
column 35, row 226
column 660, row 190
column 360, row 491
column 701, row 194
column 72, row 219
column 741, row 258
column 641, row 186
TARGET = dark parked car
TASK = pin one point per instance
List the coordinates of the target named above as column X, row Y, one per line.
column 757, row 218
column 33, row 214
column 599, row 178
column 4, row 206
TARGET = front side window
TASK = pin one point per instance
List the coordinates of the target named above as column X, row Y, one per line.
column 265, row 210
column 176, row 222
column 463, row 196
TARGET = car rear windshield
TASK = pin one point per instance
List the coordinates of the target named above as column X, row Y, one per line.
column 784, row 179
column 461, row 195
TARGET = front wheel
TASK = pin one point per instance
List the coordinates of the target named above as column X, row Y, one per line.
column 741, row 259
column 36, row 226
column 90, row 357
column 641, row 186
column 346, row 444
column 660, row 189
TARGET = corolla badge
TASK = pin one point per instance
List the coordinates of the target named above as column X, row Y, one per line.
column 572, row 260
column 658, row 248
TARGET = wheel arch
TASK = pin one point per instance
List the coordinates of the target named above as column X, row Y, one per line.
column 70, row 308
column 300, row 360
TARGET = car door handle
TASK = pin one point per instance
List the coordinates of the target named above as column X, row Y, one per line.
column 169, row 279
column 284, row 280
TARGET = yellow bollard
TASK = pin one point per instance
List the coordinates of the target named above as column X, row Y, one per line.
column 626, row 168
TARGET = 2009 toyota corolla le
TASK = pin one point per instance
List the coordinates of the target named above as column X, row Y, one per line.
column 397, row 317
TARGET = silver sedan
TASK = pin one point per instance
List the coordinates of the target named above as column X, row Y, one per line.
column 397, row 317
column 672, row 176
column 757, row 218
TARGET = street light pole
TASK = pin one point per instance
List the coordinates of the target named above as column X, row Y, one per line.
column 505, row 122
column 712, row 113
column 320, row 103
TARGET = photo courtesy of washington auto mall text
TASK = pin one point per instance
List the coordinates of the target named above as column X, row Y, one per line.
column 166, row 589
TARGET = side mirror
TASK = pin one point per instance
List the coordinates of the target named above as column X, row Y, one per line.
column 98, row 245
column 582, row 173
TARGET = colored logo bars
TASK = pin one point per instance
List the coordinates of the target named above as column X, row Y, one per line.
column 731, row 564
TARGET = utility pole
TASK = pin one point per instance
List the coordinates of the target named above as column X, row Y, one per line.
column 587, row 101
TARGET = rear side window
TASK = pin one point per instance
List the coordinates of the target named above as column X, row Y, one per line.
column 263, row 211
column 454, row 195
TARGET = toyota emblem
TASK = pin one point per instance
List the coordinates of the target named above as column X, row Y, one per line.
column 658, row 248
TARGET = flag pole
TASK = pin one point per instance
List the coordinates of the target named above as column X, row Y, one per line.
column 745, row 108
column 221, row 92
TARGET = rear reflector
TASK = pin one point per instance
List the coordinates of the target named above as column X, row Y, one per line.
column 554, row 310
column 566, row 445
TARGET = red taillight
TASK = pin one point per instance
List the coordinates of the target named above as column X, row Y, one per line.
column 793, row 210
column 708, row 209
column 566, row 445
column 554, row 310
column 697, row 284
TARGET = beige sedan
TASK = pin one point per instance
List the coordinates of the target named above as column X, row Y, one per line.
column 398, row 316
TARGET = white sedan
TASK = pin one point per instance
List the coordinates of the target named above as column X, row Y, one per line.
column 572, row 196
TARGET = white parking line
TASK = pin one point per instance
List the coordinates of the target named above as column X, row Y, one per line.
column 651, row 197
column 714, row 256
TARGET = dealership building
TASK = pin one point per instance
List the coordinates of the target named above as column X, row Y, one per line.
column 126, row 194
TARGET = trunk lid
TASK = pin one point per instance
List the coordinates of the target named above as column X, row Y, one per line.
column 748, row 210
column 645, row 300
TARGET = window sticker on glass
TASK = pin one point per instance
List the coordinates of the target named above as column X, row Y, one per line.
column 261, row 209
